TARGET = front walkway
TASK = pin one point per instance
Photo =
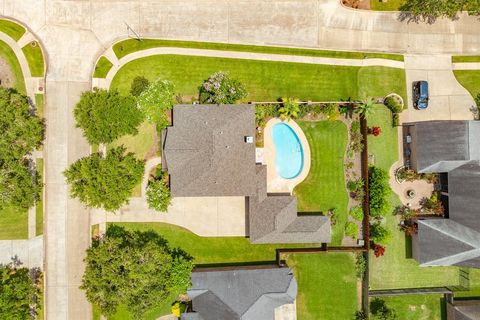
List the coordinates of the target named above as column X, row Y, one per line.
column 28, row 252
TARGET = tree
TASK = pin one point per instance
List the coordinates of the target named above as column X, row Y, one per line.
column 379, row 234
column 106, row 115
column 135, row 269
column 365, row 108
column 18, row 186
column 158, row 195
column 430, row 10
column 105, row 182
column 139, row 84
column 289, row 109
column 219, row 88
column 381, row 311
column 19, row 289
column 379, row 191
column 22, row 132
column 155, row 101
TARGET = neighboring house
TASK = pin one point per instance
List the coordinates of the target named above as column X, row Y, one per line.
column 251, row 293
column 463, row 310
column 210, row 151
column 452, row 149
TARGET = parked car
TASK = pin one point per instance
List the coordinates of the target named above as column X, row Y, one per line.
column 420, row 94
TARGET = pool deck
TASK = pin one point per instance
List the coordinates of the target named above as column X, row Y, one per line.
column 275, row 183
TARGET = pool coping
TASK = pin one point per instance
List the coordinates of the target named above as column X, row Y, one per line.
column 275, row 183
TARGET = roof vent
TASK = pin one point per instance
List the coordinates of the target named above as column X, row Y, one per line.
column 248, row 139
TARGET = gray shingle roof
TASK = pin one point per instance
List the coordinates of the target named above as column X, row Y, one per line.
column 463, row 310
column 242, row 294
column 441, row 146
column 206, row 153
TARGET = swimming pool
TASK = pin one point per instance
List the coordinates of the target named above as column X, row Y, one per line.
column 288, row 151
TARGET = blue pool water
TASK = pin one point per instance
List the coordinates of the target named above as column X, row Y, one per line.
column 288, row 151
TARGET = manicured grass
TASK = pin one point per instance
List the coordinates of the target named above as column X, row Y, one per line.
column 12, row 29
column 267, row 80
column 35, row 61
column 140, row 143
column 418, row 307
column 211, row 250
column 40, row 104
column 95, row 229
column 13, row 223
column 9, row 56
column 384, row 148
column 327, row 285
column 390, row 5
column 103, row 66
column 324, row 187
column 125, row 47
column 465, row 59
column 470, row 79
column 39, row 204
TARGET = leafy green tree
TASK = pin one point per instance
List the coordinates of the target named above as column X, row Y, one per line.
column 219, row 88
column 18, row 186
column 139, row 84
column 379, row 190
column 380, row 310
column 430, row 10
column 105, row 182
column 156, row 100
column 379, row 234
column 19, row 288
column 21, row 131
column 135, row 269
column 289, row 109
column 106, row 115
column 158, row 195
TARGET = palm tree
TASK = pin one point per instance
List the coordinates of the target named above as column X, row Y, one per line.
column 365, row 107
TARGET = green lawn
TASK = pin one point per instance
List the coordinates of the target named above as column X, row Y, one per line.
column 40, row 104
column 13, row 223
column 470, row 79
column 140, row 143
column 384, row 148
column 465, row 58
column 327, row 285
column 125, row 47
column 39, row 204
column 35, row 60
column 390, row 5
column 12, row 29
column 418, row 307
column 9, row 56
column 324, row 187
column 267, row 80
column 103, row 66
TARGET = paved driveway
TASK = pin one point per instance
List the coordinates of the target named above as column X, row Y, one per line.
column 448, row 99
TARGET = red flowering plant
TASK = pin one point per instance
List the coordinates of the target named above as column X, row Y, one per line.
column 375, row 131
column 378, row 250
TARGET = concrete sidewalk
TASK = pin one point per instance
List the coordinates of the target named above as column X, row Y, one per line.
column 28, row 252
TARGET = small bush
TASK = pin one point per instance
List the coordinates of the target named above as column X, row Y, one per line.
column 351, row 230
column 379, row 234
column 263, row 112
column 379, row 191
column 290, row 109
column 331, row 112
column 219, row 88
column 355, row 126
column 360, row 265
column 158, row 195
column 356, row 213
column 393, row 105
column 395, row 120
column 139, row 84
column 332, row 213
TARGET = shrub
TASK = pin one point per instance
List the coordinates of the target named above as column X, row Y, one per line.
column 378, row 250
column 395, row 120
column 351, row 229
column 375, row 131
column 219, row 88
column 331, row 112
column 360, row 265
column 360, row 315
column 106, row 115
column 356, row 213
column 263, row 112
column 381, row 311
column 379, row 234
column 393, row 105
column 355, row 185
column 155, row 101
column 290, row 109
column 332, row 213
column 434, row 204
column 355, row 127
column 158, row 195
column 379, row 191
column 139, row 84
column 105, row 182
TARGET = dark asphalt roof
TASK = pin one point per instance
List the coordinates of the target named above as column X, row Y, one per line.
column 249, row 294
column 464, row 310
